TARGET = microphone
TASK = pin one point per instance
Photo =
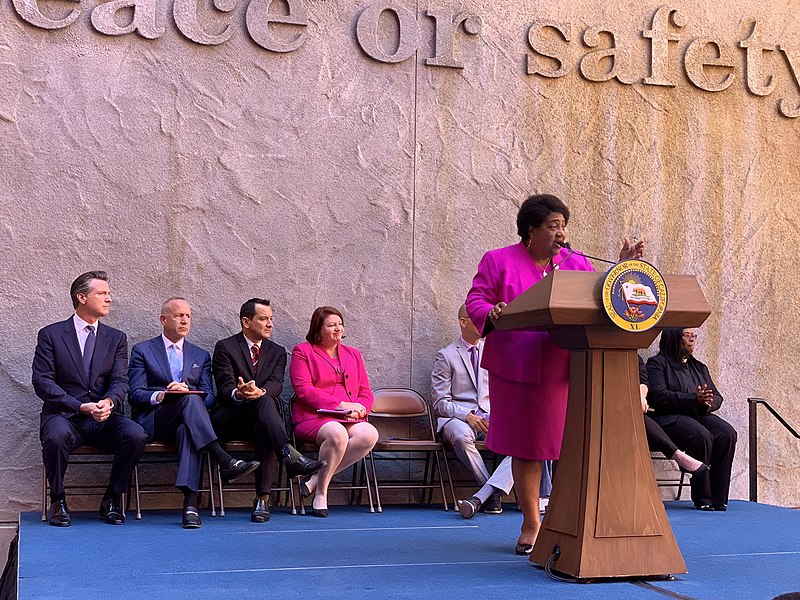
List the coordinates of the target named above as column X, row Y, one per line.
column 573, row 251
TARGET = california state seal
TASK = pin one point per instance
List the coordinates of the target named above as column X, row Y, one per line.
column 634, row 295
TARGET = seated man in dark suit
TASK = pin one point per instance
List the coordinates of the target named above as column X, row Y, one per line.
column 80, row 371
column 160, row 370
column 248, row 369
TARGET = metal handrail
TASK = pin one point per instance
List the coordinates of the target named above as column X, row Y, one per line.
column 753, row 440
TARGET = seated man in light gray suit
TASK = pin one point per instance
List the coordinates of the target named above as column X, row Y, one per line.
column 460, row 391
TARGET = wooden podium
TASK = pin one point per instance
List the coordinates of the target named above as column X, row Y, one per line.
column 605, row 514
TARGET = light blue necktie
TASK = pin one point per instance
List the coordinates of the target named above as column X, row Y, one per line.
column 175, row 363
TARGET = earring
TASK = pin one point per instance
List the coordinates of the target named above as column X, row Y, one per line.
column 528, row 245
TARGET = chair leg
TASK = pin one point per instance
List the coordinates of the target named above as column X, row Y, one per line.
column 450, row 482
column 441, row 479
column 221, row 495
column 680, row 485
column 136, row 489
column 358, row 487
column 280, row 498
column 300, row 494
column 427, row 479
column 353, row 482
column 365, row 479
column 44, row 494
column 375, row 481
column 290, row 483
column 208, row 468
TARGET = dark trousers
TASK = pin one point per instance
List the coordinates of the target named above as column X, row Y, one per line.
column 116, row 435
column 185, row 422
column 657, row 440
column 259, row 422
column 712, row 440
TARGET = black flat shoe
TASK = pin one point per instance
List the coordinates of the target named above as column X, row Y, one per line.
column 191, row 518
column 111, row 512
column 705, row 507
column 59, row 514
column 319, row 512
column 523, row 549
column 720, row 506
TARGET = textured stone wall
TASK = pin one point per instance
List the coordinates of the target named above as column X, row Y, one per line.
column 325, row 175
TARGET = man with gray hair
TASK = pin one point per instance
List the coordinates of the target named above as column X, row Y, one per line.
column 80, row 374
column 171, row 391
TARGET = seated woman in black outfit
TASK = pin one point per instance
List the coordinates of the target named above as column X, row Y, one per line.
column 683, row 397
column 657, row 440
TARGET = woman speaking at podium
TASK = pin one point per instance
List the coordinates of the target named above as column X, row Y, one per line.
column 528, row 372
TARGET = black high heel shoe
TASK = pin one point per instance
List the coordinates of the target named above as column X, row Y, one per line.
column 305, row 492
column 698, row 471
column 523, row 549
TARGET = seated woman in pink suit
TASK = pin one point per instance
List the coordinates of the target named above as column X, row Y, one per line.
column 528, row 373
column 328, row 375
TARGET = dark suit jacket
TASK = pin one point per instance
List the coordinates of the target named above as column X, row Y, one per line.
column 149, row 372
column 232, row 360
column 59, row 378
column 672, row 389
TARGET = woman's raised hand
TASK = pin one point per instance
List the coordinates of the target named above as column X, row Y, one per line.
column 630, row 251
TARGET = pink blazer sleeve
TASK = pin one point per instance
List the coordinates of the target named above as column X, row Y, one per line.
column 304, row 374
column 484, row 293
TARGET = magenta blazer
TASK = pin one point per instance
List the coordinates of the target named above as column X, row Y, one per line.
column 504, row 274
column 318, row 384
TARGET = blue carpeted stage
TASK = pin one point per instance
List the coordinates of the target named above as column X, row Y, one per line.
column 752, row 551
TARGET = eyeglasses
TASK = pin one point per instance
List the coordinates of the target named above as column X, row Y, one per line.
column 690, row 336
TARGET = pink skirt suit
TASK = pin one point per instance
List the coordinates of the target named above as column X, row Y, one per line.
column 528, row 372
column 320, row 381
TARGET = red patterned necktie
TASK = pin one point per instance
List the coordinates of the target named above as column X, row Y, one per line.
column 254, row 350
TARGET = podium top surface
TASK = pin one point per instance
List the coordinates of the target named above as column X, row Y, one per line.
column 573, row 298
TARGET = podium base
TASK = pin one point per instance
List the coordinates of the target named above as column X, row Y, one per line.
column 606, row 516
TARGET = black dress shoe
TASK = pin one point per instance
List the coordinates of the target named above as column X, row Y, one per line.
column 59, row 514
column 191, row 518
column 720, row 506
column 238, row 469
column 111, row 513
column 302, row 465
column 319, row 512
column 493, row 504
column 705, row 507
column 260, row 512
